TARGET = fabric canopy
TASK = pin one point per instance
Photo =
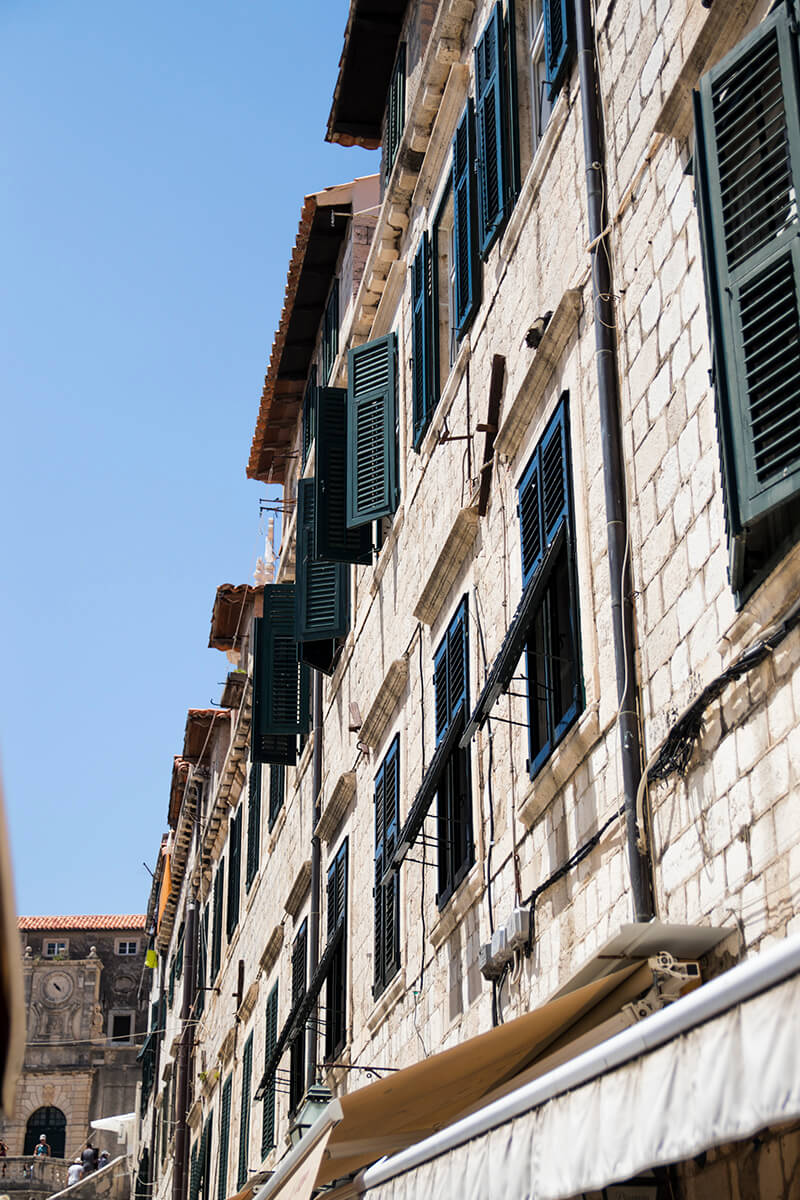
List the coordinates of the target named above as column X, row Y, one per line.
column 716, row 1066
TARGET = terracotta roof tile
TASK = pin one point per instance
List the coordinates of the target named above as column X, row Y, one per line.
column 125, row 921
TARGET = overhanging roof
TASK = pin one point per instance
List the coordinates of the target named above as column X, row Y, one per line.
column 365, row 70
column 197, row 739
column 323, row 224
column 180, row 775
column 227, row 615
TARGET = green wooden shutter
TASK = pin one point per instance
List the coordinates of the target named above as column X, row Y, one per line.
column 253, row 823
column 422, row 338
column 322, row 589
column 387, row 896
column 277, row 789
column 244, row 1116
column 270, row 1040
column 544, row 495
column 216, row 948
column 194, row 1173
column 395, row 112
column 336, row 988
column 333, row 540
column 309, row 414
column 202, row 964
column 451, row 673
column 371, row 431
column 748, row 169
column 330, row 332
column 558, row 43
column 224, row 1138
column 465, row 237
column 490, row 93
column 281, row 682
column 234, row 873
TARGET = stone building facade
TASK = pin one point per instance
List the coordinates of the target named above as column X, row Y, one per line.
column 541, row 549
column 86, row 1015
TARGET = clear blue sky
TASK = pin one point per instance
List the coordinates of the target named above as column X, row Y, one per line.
column 155, row 160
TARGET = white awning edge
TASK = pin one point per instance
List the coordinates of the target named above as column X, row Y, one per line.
column 715, row 1066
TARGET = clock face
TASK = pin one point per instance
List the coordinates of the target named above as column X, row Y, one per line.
column 57, row 987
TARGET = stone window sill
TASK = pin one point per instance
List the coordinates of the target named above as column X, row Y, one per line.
column 467, row 893
column 387, row 1001
column 561, row 765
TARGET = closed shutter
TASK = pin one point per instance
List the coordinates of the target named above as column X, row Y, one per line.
column 333, row 540
column 244, row 1116
column 297, row 1052
column 322, row 589
column 544, row 495
column 270, row 1041
column 335, row 1022
column 224, row 1138
column 194, row 1173
column 451, row 673
column 748, row 174
column 330, row 332
column 253, row 823
column 216, row 948
column 422, row 337
column 202, row 964
column 371, row 431
column 277, row 789
column 309, row 414
column 387, row 896
column 234, row 873
column 465, row 238
column 558, row 43
column 395, row 112
column 490, row 95
column 281, row 681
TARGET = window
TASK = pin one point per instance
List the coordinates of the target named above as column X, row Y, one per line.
column 330, row 333
column 253, row 823
column 234, row 873
column 541, row 104
column 297, row 1053
column 491, row 118
column 270, row 1040
column 120, row 1026
column 309, row 414
column 454, row 798
column 244, row 1116
column 216, row 945
column 372, row 490
column 52, row 949
column 336, row 995
column 202, row 963
column 224, row 1138
column 277, row 791
column 747, row 173
column 558, row 43
column 395, row 112
column 551, row 655
column 322, row 590
column 127, row 946
column 387, row 895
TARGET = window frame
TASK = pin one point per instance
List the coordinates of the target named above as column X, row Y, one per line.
column 61, row 947
column 120, row 942
column 122, row 1012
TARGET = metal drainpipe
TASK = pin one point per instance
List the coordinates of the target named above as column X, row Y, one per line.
column 156, row 1069
column 316, row 875
column 613, row 468
column 184, row 1052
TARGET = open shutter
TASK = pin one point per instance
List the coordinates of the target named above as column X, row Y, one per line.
column 332, row 539
column 422, row 337
column 281, row 683
column 450, row 673
column 544, row 495
column 322, row 589
column 490, row 94
column 378, row 982
column 371, row 431
column 330, row 332
column 395, row 111
column 216, row 948
column 253, row 823
column 391, row 889
column 465, row 237
column 558, row 43
column 748, row 174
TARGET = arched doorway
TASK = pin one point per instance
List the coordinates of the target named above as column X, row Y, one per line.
column 53, row 1124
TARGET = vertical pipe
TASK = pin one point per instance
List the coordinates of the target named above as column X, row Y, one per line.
column 613, row 466
column 316, row 876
